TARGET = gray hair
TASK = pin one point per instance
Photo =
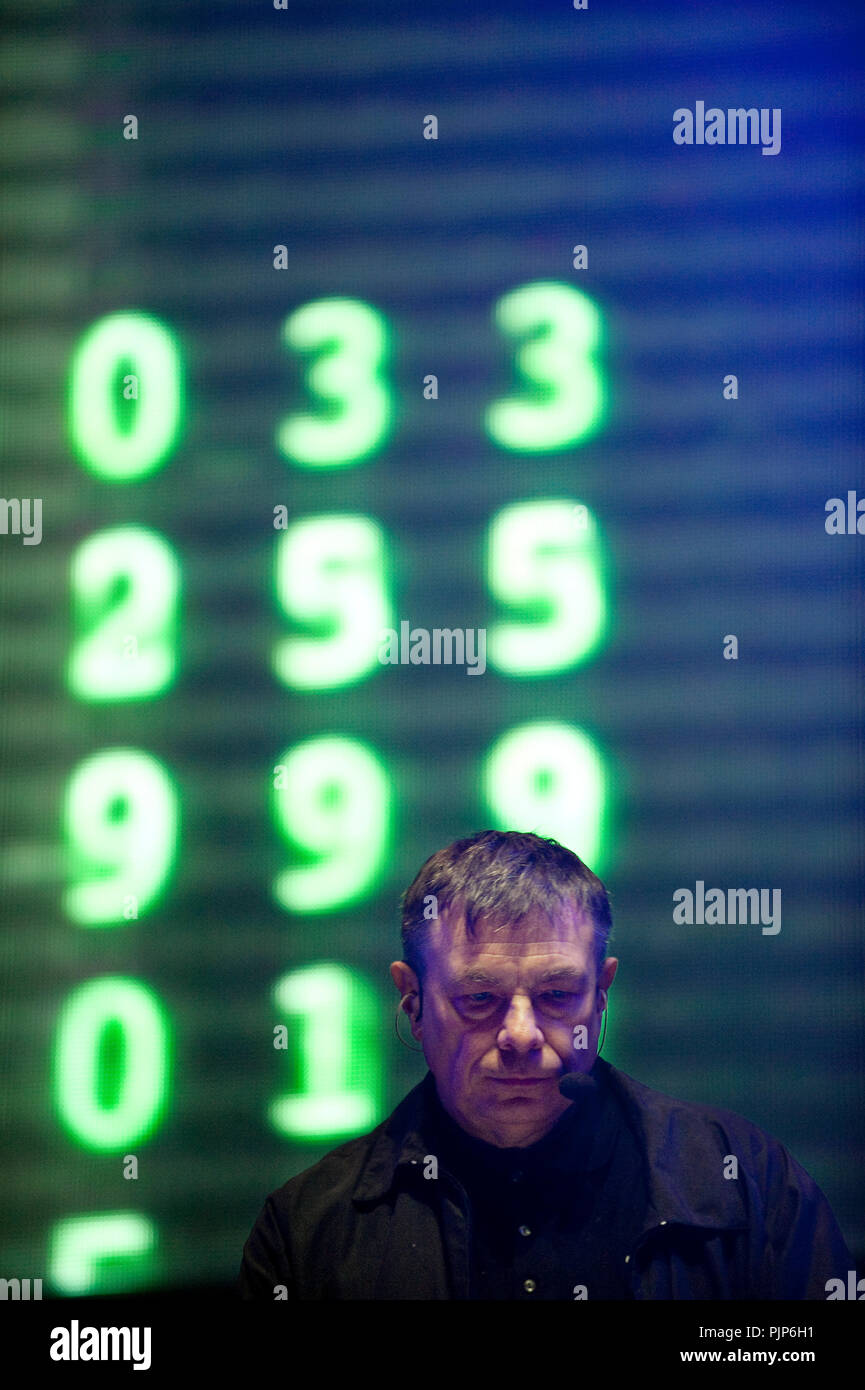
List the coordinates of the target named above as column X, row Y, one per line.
column 502, row 875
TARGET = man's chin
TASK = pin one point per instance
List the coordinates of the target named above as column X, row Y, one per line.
column 518, row 1130
column 512, row 1114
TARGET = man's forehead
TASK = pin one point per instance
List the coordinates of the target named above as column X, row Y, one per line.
column 535, row 936
column 514, row 950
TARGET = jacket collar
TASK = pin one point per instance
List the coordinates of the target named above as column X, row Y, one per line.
column 681, row 1152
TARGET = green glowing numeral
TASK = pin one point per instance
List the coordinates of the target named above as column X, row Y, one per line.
column 338, row 1045
column 106, row 1252
column 568, row 402
column 120, row 818
column 545, row 558
column 111, row 1063
column 125, row 587
column 351, row 341
column 549, row 778
column 331, row 800
column 331, row 574
column 126, row 364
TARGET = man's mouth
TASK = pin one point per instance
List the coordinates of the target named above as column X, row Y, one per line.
column 523, row 1080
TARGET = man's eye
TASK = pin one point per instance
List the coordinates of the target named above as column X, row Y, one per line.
column 479, row 998
column 558, row 996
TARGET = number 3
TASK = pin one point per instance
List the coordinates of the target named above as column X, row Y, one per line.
column 565, row 327
column 351, row 339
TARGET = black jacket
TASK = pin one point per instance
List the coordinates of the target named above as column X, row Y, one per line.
column 363, row 1223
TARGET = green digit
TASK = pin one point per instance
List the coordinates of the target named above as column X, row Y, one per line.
column 149, row 393
column 331, row 575
column 102, row 1252
column 109, row 1100
column 125, row 591
column 568, row 399
column 549, row 778
column 544, row 558
column 332, row 804
column 351, row 343
column 337, row 1042
column 120, row 818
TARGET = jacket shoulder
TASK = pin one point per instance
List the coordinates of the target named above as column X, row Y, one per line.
column 794, row 1244
column 688, row 1139
column 334, row 1175
column 333, row 1178
column 714, row 1124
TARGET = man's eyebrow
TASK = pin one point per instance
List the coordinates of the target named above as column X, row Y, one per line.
column 472, row 977
column 563, row 973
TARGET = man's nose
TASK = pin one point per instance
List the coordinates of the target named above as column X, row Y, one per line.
column 520, row 1031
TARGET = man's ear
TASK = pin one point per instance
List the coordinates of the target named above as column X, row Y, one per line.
column 404, row 978
column 605, row 979
column 411, row 998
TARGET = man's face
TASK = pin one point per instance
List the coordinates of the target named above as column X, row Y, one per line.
column 499, row 1013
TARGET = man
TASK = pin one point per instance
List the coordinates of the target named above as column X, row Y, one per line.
column 486, row 1181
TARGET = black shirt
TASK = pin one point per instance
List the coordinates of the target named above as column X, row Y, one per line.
column 561, row 1213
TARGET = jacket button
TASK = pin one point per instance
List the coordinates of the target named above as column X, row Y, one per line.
column 529, row 1285
column 524, row 1231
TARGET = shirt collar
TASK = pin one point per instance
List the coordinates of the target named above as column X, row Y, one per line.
column 581, row 1139
column 681, row 1151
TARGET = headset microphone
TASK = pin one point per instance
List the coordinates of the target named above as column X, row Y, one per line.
column 578, row 1085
